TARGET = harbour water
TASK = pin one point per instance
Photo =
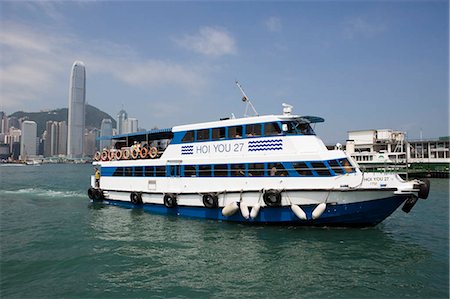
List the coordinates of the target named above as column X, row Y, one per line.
column 56, row 244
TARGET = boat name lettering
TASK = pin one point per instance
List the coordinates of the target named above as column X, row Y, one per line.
column 377, row 179
column 217, row 148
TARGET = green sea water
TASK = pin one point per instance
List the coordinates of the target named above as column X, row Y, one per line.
column 56, row 244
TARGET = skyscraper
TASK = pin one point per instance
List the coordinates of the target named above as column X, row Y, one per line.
column 106, row 130
column 77, row 99
column 122, row 122
column 28, row 140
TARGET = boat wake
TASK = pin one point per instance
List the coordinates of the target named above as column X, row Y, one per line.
column 38, row 192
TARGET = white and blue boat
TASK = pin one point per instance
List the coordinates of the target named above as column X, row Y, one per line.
column 261, row 169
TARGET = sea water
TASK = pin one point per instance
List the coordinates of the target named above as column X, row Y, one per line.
column 56, row 244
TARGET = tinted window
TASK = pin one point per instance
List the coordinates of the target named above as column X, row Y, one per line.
column 188, row 137
column 149, row 170
column 128, row 171
column 253, row 130
column 277, row 169
column 138, row 171
column 271, row 129
column 203, row 134
column 320, row 168
column 218, row 133
column 256, row 169
column 160, row 171
column 346, row 165
column 235, row 132
column 336, row 167
column 118, row 171
column 221, row 170
column 204, row 170
column 302, row 169
column 237, row 170
column 189, row 171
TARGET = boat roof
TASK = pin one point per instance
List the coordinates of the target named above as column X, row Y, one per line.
column 168, row 132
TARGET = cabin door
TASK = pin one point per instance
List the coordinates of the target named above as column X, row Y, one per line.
column 174, row 171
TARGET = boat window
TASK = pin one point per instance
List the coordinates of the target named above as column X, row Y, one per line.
column 138, row 171
column 256, row 169
column 118, row 171
column 271, row 129
column 237, row 170
column 160, row 171
column 347, row 165
column 235, row 132
column 128, row 171
column 276, row 169
column 203, row 134
column 189, row 171
column 149, row 170
column 320, row 168
column 221, row 170
column 302, row 169
column 253, row 130
column 336, row 167
column 188, row 137
column 218, row 133
column 204, row 170
column 296, row 127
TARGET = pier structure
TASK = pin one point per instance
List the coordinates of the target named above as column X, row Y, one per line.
column 389, row 150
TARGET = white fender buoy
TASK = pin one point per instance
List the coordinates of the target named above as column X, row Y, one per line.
column 254, row 211
column 318, row 211
column 230, row 209
column 244, row 210
column 298, row 212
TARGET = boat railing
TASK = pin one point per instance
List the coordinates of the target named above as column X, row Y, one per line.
column 129, row 153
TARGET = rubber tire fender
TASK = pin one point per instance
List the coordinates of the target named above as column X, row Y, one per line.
column 170, row 200
column 272, row 198
column 91, row 193
column 211, row 201
column 136, row 198
column 424, row 189
column 98, row 194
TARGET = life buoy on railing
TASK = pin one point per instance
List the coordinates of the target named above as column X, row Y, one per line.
column 272, row 198
column 118, row 154
column 105, row 155
column 144, row 153
column 170, row 200
column 125, row 153
column 210, row 200
column 153, row 152
column 111, row 155
column 97, row 156
column 134, row 153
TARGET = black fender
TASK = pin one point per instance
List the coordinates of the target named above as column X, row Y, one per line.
column 272, row 198
column 424, row 189
column 98, row 194
column 136, row 198
column 211, row 200
column 170, row 200
column 409, row 204
column 91, row 192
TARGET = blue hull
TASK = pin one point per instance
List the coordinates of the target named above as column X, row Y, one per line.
column 368, row 213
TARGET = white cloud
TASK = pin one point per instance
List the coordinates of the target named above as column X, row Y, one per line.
column 210, row 41
column 35, row 66
column 273, row 24
column 361, row 27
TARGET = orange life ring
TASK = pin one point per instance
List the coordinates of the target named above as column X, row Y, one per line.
column 125, row 154
column 134, row 153
column 97, row 156
column 118, row 154
column 105, row 155
column 111, row 155
column 144, row 153
column 153, row 152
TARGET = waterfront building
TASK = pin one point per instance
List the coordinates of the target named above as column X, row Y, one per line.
column 28, row 140
column 106, row 129
column 132, row 125
column 3, row 122
column 76, row 119
column 55, row 139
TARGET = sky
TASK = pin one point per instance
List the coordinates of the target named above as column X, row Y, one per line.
column 358, row 64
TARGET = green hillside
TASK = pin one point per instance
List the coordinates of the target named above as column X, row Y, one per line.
column 94, row 117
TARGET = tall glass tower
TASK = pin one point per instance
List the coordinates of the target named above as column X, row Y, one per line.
column 77, row 99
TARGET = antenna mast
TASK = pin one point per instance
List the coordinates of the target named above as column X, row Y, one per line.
column 246, row 100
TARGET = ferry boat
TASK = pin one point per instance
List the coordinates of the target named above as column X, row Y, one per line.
column 259, row 169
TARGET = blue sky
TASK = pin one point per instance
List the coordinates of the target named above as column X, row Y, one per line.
column 359, row 64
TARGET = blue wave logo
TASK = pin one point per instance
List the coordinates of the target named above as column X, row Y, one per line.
column 187, row 150
column 265, row 145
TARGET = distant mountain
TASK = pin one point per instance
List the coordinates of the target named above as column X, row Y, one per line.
column 94, row 117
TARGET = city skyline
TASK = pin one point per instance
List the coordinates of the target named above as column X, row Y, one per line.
column 360, row 65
